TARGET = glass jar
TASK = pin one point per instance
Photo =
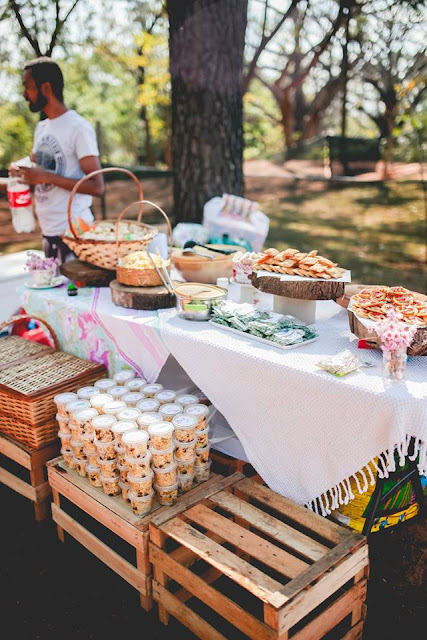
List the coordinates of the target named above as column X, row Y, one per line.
column 394, row 364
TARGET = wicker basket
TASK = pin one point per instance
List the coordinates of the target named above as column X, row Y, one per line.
column 142, row 277
column 101, row 252
column 31, row 375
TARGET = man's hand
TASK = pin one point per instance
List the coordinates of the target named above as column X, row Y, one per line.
column 31, row 175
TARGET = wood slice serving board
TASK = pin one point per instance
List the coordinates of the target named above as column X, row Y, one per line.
column 86, row 275
column 141, row 298
column 300, row 289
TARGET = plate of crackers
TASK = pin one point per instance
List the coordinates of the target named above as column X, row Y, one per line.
column 292, row 262
column 373, row 304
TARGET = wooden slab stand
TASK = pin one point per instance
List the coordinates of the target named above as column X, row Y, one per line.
column 84, row 274
column 300, row 289
column 417, row 348
column 141, row 298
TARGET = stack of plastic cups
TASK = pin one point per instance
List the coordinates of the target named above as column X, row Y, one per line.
column 140, row 476
column 202, row 464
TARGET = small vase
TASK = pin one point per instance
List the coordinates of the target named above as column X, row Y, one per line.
column 394, row 364
column 42, row 277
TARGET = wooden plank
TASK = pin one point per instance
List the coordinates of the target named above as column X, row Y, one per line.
column 40, row 456
column 198, row 494
column 209, row 576
column 96, row 509
column 17, row 452
column 248, row 577
column 228, row 609
column 18, row 485
column 249, row 542
column 186, row 557
column 57, row 501
column 284, row 533
column 109, row 557
column 307, row 600
column 42, row 491
column 355, row 633
column 304, row 517
column 181, row 612
column 333, row 615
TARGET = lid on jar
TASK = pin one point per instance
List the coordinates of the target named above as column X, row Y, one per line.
column 160, row 429
column 171, row 487
column 135, row 384
column 117, row 391
column 91, row 468
column 152, row 388
column 64, row 434
column 165, row 395
column 87, row 392
column 151, row 417
column 64, row 398
column 110, row 463
column 146, row 478
column 132, row 396
column 124, row 376
column 197, row 410
column 186, row 462
column 161, row 452
column 100, row 444
column 87, row 437
column 76, row 405
column 62, row 418
column 76, row 443
column 104, row 384
column 187, row 399
column 128, row 413
column 171, row 467
column 85, row 414
column 133, row 497
column 199, row 291
column 123, row 485
column 107, row 479
column 122, row 467
column 184, row 421
column 135, row 437
column 145, row 459
column 123, row 426
column 120, row 450
column 113, row 407
column 148, row 404
column 171, row 409
column 183, row 445
column 100, row 399
column 103, row 422
column 79, row 460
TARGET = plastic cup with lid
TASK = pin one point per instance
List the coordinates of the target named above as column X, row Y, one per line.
column 89, row 446
column 121, row 377
column 76, row 405
column 113, row 408
column 185, row 426
column 129, row 413
column 85, row 393
column 202, row 471
column 67, row 455
column 111, row 486
column 148, row 418
column 167, row 495
column 135, row 384
column 62, row 399
column 106, row 450
column 161, row 435
column 141, row 485
column 202, row 437
column 118, row 392
column 165, row 396
column 65, row 440
column 83, row 419
column 125, row 490
column 123, row 472
column 150, row 390
column 185, row 467
column 185, row 482
column 132, row 397
column 141, row 505
column 105, row 384
column 202, row 455
column 135, row 443
column 77, row 447
column 169, row 411
column 161, row 458
column 99, row 400
column 109, row 468
column 199, row 411
column 121, row 427
column 185, row 450
column 94, row 475
column 148, row 404
column 139, row 467
column 187, row 399
column 80, row 466
column 165, row 476
column 102, row 426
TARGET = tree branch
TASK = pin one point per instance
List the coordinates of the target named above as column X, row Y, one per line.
column 25, row 31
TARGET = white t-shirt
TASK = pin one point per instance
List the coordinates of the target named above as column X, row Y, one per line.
column 59, row 145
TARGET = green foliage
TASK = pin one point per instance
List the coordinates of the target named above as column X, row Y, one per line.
column 263, row 134
column 16, row 133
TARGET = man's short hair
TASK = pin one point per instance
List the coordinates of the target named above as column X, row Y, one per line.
column 46, row 70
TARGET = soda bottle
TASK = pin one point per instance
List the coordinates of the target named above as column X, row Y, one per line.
column 19, row 196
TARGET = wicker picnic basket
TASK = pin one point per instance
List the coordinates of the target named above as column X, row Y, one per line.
column 141, row 277
column 104, row 253
column 31, row 374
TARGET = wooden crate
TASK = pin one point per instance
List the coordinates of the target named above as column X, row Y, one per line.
column 225, row 464
column 117, row 516
column 33, row 460
column 280, row 571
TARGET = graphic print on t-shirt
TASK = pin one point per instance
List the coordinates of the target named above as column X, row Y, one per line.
column 50, row 156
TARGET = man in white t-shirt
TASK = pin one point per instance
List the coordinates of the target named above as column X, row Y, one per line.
column 64, row 150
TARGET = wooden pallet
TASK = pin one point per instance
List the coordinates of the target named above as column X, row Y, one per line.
column 225, row 464
column 305, row 575
column 33, row 460
column 117, row 516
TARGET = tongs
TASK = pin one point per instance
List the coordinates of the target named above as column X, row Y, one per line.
column 165, row 278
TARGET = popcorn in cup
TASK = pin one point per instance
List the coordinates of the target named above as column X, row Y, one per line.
column 102, row 426
column 203, row 471
column 61, row 400
column 106, row 450
column 124, row 376
column 81, row 465
column 65, row 440
column 148, row 405
column 125, row 490
column 74, row 406
column 139, row 466
column 185, row 482
column 185, row 426
column 75, row 432
column 114, row 407
column 77, row 448
column 117, row 392
column 88, row 444
column 161, row 435
column 123, row 472
column 109, row 468
column 92, row 458
column 166, row 476
column 161, row 458
column 186, row 400
column 68, row 456
column 121, row 454
column 64, row 423
column 169, row 411
column 202, row 455
column 202, row 438
column 85, row 393
column 185, row 467
column 132, row 397
column 149, row 418
column 167, row 495
column 141, row 505
column 83, row 420
column 199, row 411
column 104, row 384
column 150, row 390
column 135, row 443
column 99, row 400
column 94, row 475
column 72, row 463
column 129, row 413
column 135, row 384
column 141, row 486
column 111, row 486
column 165, row 396
column 121, row 427
column 185, row 450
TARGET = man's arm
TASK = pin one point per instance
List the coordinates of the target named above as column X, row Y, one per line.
column 36, row 175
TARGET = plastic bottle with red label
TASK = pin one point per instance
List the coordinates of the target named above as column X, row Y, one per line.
column 19, row 196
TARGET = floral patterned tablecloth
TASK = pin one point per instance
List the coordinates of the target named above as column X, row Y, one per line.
column 90, row 326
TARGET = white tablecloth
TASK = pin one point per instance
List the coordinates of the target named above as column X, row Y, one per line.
column 305, row 431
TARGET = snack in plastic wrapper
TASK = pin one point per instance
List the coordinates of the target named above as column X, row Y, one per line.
column 340, row 364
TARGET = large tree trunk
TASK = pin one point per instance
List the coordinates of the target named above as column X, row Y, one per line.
column 206, row 41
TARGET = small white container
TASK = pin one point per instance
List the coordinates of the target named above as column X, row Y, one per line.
column 94, row 475
column 83, row 419
column 121, row 427
column 202, row 471
column 185, row 482
column 149, row 418
column 102, row 426
column 187, row 399
column 169, row 411
column 139, row 467
column 121, row 377
column 106, row 450
column 202, row 438
column 161, row 435
column 141, row 505
column 150, row 390
column 104, row 384
column 165, row 396
column 77, row 448
column 63, row 422
column 148, row 405
column 135, row 443
column 185, row 427
column 135, row 384
column 111, row 486
column 67, row 455
column 62, row 399
column 141, row 486
column 167, row 495
column 113, row 408
column 202, row 455
column 85, row 393
column 161, row 458
column 74, row 406
column 99, row 400
column 199, row 411
column 80, row 467
column 65, row 440
column 109, row 468
column 132, row 397
column 117, row 392
column 166, row 476
column 129, row 414
column 89, row 446
column 185, row 450
column 185, row 467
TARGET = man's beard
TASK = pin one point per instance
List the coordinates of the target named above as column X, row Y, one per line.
column 39, row 104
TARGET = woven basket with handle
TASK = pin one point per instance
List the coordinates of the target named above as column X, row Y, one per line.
column 142, row 277
column 31, row 374
column 104, row 253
